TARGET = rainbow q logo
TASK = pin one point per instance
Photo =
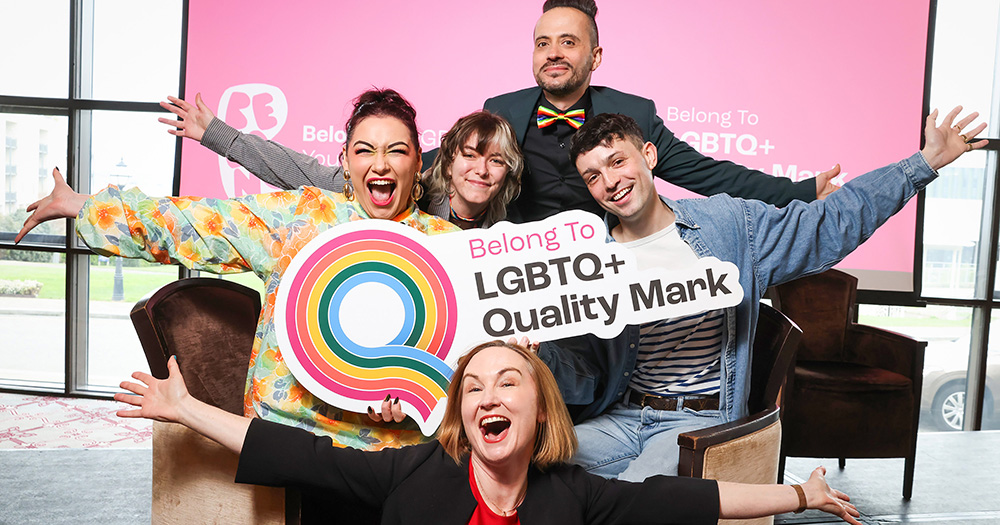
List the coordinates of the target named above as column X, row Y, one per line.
column 363, row 313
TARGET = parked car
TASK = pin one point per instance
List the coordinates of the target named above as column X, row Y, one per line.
column 943, row 395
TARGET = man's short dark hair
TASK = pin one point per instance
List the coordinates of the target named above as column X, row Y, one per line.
column 602, row 130
column 587, row 7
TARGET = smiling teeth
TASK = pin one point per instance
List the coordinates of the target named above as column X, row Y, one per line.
column 492, row 419
column 381, row 182
column 621, row 194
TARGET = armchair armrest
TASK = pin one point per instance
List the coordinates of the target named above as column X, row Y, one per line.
column 745, row 450
column 875, row 347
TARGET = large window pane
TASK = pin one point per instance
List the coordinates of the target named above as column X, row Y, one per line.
column 115, row 286
column 33, row 145
column 946, row 361
column 131, row 149
column 32, row 318
column 128, row 149
column 953, row 219
column 34, row 37
column 136, row 50
column 965, row 58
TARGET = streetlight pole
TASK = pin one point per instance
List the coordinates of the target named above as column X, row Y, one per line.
column 118, row 291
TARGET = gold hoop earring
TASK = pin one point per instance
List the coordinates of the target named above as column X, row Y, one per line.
column 348, row 186
column 418, row 190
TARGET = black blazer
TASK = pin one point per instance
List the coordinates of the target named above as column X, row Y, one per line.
column 422, row 484
column 678, row 163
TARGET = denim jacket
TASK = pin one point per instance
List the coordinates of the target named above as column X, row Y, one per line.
column 769, row 246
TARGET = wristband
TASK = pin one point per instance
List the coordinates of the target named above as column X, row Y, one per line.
column 802, row 498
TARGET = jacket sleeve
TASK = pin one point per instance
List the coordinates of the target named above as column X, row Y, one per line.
column 282, row 456
column 215, row 235
column 579, row 366
column 658, row 499
column 271, row 162
column 803, row 239
column 680, row 164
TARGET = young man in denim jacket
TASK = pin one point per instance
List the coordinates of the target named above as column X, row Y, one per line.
column 613, row 383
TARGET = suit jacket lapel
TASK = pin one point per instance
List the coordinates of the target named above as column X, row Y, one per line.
column 522, row 113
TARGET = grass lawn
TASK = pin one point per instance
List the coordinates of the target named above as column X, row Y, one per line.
column 137, row 281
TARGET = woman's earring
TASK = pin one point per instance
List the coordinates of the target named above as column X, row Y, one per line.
column 348, row 186
column 418, row 190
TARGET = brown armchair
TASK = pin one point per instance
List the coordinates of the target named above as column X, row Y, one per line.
column 747, row 450
column 209, row 324
column 855, row 389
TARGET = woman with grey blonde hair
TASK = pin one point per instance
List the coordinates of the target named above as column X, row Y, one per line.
column 476, row 173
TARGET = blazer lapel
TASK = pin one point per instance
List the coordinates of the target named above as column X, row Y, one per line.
column 522, row 113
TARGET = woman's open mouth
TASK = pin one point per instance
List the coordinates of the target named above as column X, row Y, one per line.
column 381, row 191
column 494, row 428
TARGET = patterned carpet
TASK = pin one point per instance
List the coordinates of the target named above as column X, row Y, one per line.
column 42, row 422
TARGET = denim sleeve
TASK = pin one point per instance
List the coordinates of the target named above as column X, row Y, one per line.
column 803, row 239
column 271, row 162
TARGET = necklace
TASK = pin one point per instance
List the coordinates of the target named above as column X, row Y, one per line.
column 500, row 510
column 471, row 220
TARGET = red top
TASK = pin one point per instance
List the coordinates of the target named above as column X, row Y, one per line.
column 484, row 515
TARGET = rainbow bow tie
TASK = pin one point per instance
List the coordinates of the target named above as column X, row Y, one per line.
column 547, row 117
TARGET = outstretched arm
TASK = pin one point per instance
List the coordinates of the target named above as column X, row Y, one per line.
column 168, row 400
column 742, row 500
column 271, row 162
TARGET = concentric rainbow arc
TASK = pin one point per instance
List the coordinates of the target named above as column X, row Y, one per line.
column 412, row 365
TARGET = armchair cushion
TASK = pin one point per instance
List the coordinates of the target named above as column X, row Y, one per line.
column 848, row 377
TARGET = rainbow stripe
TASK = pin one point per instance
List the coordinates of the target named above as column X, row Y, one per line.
column 547, row 116
column 412, row 365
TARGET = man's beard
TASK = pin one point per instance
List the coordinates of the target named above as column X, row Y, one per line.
column 573, row 83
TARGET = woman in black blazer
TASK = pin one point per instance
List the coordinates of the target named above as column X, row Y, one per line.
column 500, row 457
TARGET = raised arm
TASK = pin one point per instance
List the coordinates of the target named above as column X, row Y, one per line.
column 804, row 239
column 741, row 500
column 215, row 235
column 271, row 162
column 684, row 166
column 168, row 400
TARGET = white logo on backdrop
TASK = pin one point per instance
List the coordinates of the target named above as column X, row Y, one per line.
column 259, row 109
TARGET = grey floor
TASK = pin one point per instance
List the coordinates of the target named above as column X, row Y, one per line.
column 957, row 480
column 79, row 486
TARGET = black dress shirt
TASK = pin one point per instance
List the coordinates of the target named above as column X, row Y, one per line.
column 553, row 184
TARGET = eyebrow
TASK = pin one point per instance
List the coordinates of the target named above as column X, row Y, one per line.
column 372, row 146
column 500, row 373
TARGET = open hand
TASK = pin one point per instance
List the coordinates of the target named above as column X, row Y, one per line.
column 62, row 203
column 196, row 117
column 819, row 495
column 825, row 182
column 159, row 399
column 947, row 142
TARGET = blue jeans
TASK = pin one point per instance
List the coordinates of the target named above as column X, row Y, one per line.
column 631, row 443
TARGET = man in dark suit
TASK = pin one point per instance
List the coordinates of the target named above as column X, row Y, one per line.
column 566, row 54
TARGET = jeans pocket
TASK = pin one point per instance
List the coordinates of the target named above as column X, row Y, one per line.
column 703, row 413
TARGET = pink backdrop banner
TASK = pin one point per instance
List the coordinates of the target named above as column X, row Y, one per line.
column 790, row 88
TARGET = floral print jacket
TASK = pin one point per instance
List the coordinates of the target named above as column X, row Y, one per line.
column 258, row 233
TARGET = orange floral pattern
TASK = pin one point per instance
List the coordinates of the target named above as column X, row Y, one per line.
column 258, row 233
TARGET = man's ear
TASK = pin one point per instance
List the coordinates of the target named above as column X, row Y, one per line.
column 649, row 154
column 598, row 54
